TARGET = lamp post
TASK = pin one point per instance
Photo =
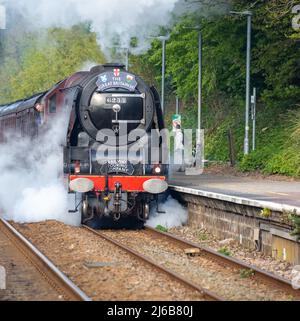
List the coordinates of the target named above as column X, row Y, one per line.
column 163, row 73
column 2, row 28
column 248, row 14
column 198, row 28
column 2, row 17
column 200, row 142
column 163, row 40
column 177, row 105
column 253, row 103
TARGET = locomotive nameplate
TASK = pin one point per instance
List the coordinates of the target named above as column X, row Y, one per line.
column 117, row 166
column 116, row 78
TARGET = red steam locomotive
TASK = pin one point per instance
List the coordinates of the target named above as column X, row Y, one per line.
column 113, row 118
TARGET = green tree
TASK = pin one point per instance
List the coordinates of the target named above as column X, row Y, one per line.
column 275, row 73
column 60, row 53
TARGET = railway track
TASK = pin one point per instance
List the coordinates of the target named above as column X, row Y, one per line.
column 51, row 283
column 103, row 270
column 208, row 295
column 168, row 271
column 258, row 274
column 217, row 276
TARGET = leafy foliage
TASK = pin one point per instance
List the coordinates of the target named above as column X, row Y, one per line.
column 266, row 213
column 161, row 228
column 275, row 74
column 295, row 220
column 29, row 65
column 246, row 273
column 45, row 62
column 224, row 251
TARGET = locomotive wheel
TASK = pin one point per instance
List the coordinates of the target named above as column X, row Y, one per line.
column 130, row 222
column 146, row 211
column 86, row 219
column 85, row 208
column 88, row 213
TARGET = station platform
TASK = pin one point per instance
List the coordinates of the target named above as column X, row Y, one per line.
column 260, row 192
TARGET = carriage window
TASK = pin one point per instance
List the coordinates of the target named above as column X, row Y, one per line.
column 52, row 105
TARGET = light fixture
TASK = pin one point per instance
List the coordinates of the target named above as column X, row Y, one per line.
column 157, row 169
column 77, row 167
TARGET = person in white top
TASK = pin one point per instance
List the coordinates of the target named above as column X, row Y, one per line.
column 179, row 148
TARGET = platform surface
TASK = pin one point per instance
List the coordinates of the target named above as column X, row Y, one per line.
column 281, row 192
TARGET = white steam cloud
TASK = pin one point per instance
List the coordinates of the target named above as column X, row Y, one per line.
column 31, row 184
column 116, row 22
column 111, row 19
column 176, row 215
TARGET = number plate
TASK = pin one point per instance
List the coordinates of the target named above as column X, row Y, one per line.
column 116, row 100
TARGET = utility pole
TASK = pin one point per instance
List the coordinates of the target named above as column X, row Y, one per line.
column 248, row 14
column 163, row 72
column 2, row 28
column 199, row 80
column 248, row 84
column 163, row 40
column 177, row 105
column 200, row 141
column 198, row 28
column 2, row 17
column 253, row 103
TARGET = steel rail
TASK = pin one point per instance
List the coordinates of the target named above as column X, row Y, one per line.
column 206, row 293
column 55, row 278
column 225, row 260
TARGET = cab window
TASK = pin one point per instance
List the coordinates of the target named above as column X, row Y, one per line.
column 52, row 105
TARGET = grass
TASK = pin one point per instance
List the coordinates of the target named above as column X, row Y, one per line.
column 161, row 228
column 277, row 138
column 202, row 237
column 266, row 213
column 246, row 273
column 224, row 251
column 277, row 144
column 295, row 220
